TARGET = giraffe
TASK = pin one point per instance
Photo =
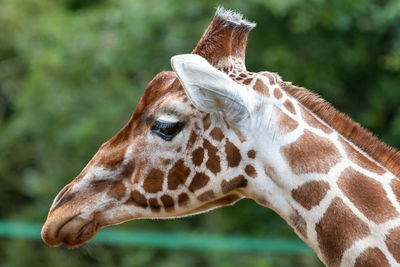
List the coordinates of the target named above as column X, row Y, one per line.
column 210, row 133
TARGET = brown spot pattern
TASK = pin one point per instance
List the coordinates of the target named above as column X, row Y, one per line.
column 247, row 81
column 367, row 195
column 232, row 154
column 285, row 123
column 199, row 180
column 217, row 134
column 137, row 199
column 250, row 171
column 206, row 196
column 299, row 224
column 251, row 154
column 393, row 244
column 395, row 184
column 372, row 257
column 154, row 206
column 198, row 156
column 310, row 194
column 359, row 158
column 153, row 181
column 213, row 163
column 311, row 153
column 337, row 230
column 237, row 182
column 168, row 202
column 261, row 88
column 192, row 140
column 270, row 78
column 183, row 199
column 206, row 122
column 177, row 175
column 117, row 190
column 309, row 118
column 289, row 106
column 277, row 93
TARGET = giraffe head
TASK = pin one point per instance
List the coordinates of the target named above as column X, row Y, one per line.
column 178, row 155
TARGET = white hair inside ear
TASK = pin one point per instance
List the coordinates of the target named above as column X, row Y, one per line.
column 211, row 90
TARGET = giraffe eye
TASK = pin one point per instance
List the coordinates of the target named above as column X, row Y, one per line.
column 167, row 130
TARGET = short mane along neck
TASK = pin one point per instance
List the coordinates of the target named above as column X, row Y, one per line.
column 383, row 154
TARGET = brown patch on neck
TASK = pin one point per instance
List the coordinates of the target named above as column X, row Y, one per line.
column 392, row 242
column 261, row 88
column 337, row 230
column 372, row 257
column 311, row 153
column 285, row 123
column 310, row 194
column 289, row 106
column 395, row 184
column 277, row 93
column 363, row 139
column 367, row 195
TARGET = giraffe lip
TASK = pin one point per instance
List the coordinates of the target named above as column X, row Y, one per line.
column 72, row 232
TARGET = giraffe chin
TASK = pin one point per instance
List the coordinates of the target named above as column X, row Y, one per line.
column 73, row 232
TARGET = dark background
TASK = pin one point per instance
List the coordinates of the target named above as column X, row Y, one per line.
column 72, row 72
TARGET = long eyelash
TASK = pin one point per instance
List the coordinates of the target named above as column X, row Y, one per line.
column 160, row 124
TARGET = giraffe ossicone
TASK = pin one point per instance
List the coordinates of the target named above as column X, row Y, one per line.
column 210, row 133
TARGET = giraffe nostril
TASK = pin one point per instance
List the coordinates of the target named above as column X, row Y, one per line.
column 62, row 192
column 62, row 198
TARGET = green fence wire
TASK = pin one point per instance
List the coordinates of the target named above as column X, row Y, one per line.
column 169, row 240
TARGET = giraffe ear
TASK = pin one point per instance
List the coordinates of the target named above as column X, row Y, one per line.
column 209, row 89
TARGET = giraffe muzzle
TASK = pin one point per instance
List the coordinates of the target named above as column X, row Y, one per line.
column 71, row 231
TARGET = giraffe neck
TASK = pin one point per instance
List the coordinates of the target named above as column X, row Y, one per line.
column 340, row 201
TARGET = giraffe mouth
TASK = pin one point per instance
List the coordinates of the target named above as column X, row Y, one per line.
column 72, row 231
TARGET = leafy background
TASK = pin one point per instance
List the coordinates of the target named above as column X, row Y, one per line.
column 72, row 72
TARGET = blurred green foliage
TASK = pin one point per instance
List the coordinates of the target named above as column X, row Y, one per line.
column 72, row 72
